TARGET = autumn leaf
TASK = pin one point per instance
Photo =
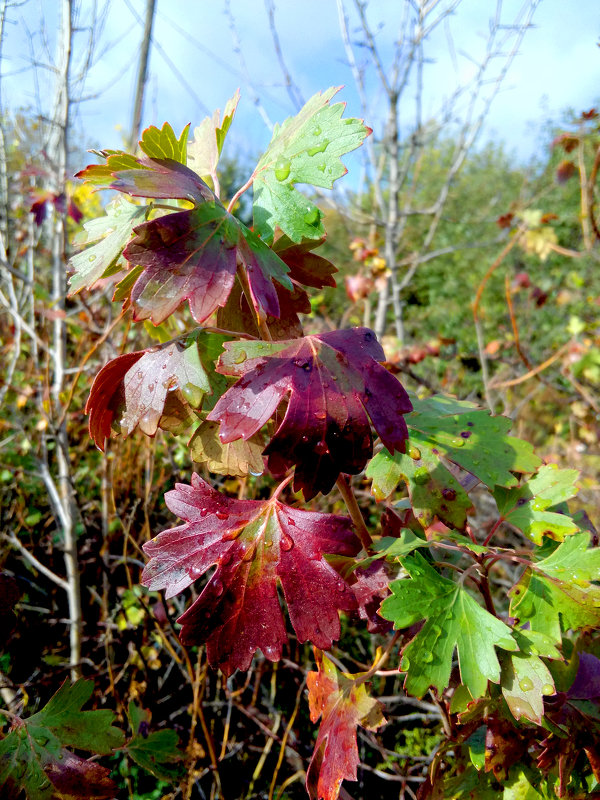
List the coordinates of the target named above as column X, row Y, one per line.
column 334, row 380
column 306, row 267
column 162, row 143
column 204, row 151
column 343, row 703
column 110, row 234
column 453, row 619
column 34, row 758
column 135, row 389
column 239, row 458
column 306, row 149
column 254, row 544
column 433, row 490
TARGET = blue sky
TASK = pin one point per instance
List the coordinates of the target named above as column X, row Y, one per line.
column 558, row 65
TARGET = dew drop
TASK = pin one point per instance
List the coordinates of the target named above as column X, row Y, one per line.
column 240, row 357
column 222, row 515
column 449, row 494
column 248, row 554
column 203, row 512
column 537, row 505
column 282, row 168
column 526, row 684
column 405, row 664
column 341, row 586
column 457, row 442
column 304, row 438
column 286, row 542
column 427, row 658
column 291, row 521
column 321, row 414
column 321, row 167
column 421, row 475
column 150, row 387
column 321, row 448
column 217, row 587
column 547, row 689
column 414, row 452
column 316, row 130
column 195, row 572
column 256, row 474
column 318, row 148
column 271, row 652
column 92, row 258
column 139, row 374
column 312, row 216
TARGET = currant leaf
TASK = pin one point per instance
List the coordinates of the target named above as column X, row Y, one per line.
column 306, row 267
column 526, row 680
column 471, row 438
column 526, row 507
column 133, row 390
column 433, row 490
column 156, row 751
column 162, row 143
column 334, row 380
column 306, row 149
column 111, row 233
column 34, row 758
column 560, row 588
column 453, row 620
column 254, row 544
column 204, row 150
column 343, row 703
column 239, row 458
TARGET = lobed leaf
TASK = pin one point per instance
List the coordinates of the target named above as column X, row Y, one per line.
column 433, row 490
column 334, row 380
column 526, row 506
column 111, row 233
column 156, row 751
column 34, row 758
column 560, row 589
column 453, row 620
column 137, row 389
column 254, row 544
column 471, row 438
column 162, row 143
column 204, row 150
column 342, row 702
column 307, row 149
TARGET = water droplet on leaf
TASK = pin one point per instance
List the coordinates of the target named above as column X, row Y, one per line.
column 319, row 148
column 312, row 216
column 457, row 442
column 421, row 475
column 286, row 542
column 222, row 515
column 320, row 414
column 321, row 448
column 282, row 168
column 414, row 452
column 547, row 689
column 92, row 258
column 240, row 357
column 526, row 684
column 427, row 658
column 192, row 394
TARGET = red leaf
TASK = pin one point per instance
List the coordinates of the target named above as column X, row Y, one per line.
column 306, row 267
column 370, row 589
column 132, row 389
column 74, row 777
column 334, row 380
column 236, row 315
column 183, row 258
column 254, row 544
column 343, row 703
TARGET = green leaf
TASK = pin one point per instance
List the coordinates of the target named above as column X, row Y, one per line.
column 33, row 757
column 209, row 137
column 111, row 232
column 519, row 788
column 453, row 620
column 558, row 588
column 433, row 490
column 162, row 143
column 304, row 149
column 471, row 438
column 476, row 745
column 526, row 680
column 156, row 752
column 393, row 547
column 525, row 507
